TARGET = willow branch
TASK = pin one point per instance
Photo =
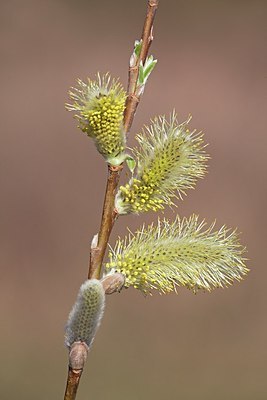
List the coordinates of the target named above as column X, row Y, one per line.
column 72, row 383
column 133, row 99
column 107, row 221
column 109, row 214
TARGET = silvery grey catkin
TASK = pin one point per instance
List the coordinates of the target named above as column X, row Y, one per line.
column 86, row 314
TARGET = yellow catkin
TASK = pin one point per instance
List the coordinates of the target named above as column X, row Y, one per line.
column 100, row 106
column 181, row 253
column 170, row 160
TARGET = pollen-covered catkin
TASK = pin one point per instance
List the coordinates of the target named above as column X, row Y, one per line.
column 180, row 253
column 99, row 106
column 170, row 160
column 86, row 314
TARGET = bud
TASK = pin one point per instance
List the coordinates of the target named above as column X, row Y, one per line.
column 99, row 106
column 113, row 282
column 181, row 253
column 78, row 355
column 170, row 160
column 86, row 314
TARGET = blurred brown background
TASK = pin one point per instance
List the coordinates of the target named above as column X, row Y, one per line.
column 212, row 63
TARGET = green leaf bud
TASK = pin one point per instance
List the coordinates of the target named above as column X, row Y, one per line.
column 145, row 70
column 99, row 107
column 181, row 253
column 131, row 163
column 149, row 66
column 137, row 47
column 170, row 160
column 86, row 314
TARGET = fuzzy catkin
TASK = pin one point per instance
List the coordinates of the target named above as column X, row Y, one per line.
column 86, row 314
column 180, row 253
column 170, row 160
column 99, row 106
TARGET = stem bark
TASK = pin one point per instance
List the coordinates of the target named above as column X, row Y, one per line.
column 109, row 213
column 73, row 380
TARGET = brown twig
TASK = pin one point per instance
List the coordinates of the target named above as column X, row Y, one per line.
column 77, row 357
column 109, row 214
column 73, row 380
column 108, row 218
column 147, row 37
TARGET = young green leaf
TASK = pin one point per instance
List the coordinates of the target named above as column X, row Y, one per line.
column 144, row 72
column 141, row 78
column 137, row 47
column 131, row 163
column 148, row 67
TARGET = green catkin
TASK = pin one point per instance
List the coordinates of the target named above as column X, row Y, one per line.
column 181, row 253
column 99, row 106
column 86, row 314
column 170, row 160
